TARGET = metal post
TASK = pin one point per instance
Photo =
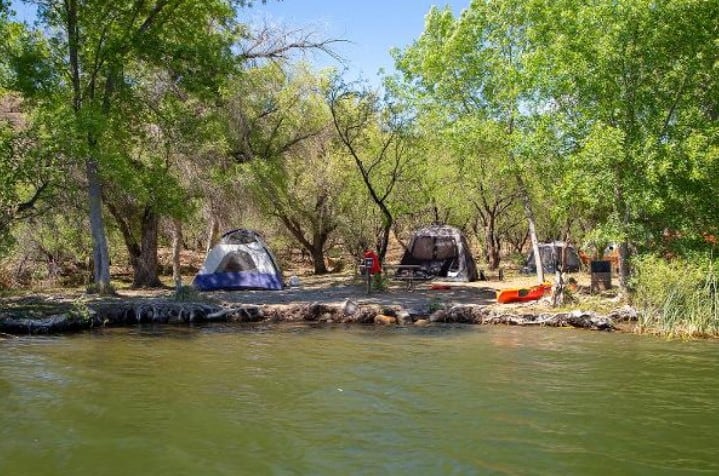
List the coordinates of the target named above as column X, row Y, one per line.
column 368, row 269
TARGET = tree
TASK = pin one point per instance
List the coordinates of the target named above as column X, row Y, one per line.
column 289, row 150
column 153, row 133
column 25, row 172
column 99, row 46
column 633, row 89
column 28, row 161
column 379, row 143
column 309, row 205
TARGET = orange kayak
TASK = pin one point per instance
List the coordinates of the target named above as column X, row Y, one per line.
column 532, row 293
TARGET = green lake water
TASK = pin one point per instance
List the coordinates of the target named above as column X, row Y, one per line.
column 357, row 400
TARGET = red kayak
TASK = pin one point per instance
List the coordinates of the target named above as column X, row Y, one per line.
column 532, row 293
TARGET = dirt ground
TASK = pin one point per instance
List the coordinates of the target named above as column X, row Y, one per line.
column 336, row 288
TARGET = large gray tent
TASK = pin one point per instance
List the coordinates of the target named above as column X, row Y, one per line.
column 441, row 251
column 551, row 254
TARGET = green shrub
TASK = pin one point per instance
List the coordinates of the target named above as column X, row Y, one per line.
column 677, row 298
column 380, row 282
column 435, row 304
column 516, row 259
column 81, row 310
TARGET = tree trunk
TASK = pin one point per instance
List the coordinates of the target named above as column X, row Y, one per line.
column 176, row 249
column 144, row 262
column 318, row 259
column 623, row 252
column 532, row 228
column 213, row 232
column 535, row 246
column 558, row 297
column 624, row 269
column 518, row 243
column 526, row 202
column 384, row 239
column 314, row 247
column 100, row 254
column 491, row 244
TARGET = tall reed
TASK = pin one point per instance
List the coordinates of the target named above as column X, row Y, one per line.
column 677, row 298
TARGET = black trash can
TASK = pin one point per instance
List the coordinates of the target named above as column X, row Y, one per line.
column 601, row 275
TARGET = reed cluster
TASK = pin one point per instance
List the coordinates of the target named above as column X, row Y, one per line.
column 677, row 298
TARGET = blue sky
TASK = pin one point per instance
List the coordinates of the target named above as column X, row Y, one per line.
column 371, row 27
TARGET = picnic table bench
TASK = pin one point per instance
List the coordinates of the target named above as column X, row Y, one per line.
column 407, row 273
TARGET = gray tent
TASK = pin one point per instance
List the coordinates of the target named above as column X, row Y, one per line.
column 441, row 251
column 551, row 254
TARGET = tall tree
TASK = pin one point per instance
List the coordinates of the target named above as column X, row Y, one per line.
column 377, row 138
column 472, row 68
column 634, row 87
column 98, row 45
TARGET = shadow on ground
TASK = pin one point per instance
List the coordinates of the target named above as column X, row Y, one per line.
column 328, row 291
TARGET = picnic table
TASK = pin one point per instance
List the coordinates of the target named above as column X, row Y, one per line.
column 407, row 273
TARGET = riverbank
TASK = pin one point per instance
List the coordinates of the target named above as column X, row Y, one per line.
column 324, row 299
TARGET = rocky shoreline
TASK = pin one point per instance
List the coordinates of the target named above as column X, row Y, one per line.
column 168, row 312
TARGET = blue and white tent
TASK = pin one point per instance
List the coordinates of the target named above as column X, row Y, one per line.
column 241, row 260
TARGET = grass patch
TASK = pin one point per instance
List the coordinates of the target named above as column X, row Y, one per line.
column 677, row 298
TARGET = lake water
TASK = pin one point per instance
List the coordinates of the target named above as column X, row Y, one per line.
column 357, row 400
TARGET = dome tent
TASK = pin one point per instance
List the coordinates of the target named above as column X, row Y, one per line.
column 442, row 251
column 551, row 254
column 241, row 260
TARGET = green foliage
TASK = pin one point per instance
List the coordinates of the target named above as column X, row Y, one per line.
column 80, row 309
column 25, row 64
column 677, row 298
column 605, row 115
column 517, row 259
column 632, row 84
column 29, row 171
column 383, row 145
column 120, row 65
column 467, row 81
column 290, row 160
column 436, row 304
column 380, row 282
column 186, row 294
column 607, row 111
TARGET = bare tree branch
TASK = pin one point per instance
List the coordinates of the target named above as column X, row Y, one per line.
column 274, row 44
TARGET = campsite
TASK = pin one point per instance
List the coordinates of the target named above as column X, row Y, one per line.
column 328, row 237
column 118, row 161
column 435, row 282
